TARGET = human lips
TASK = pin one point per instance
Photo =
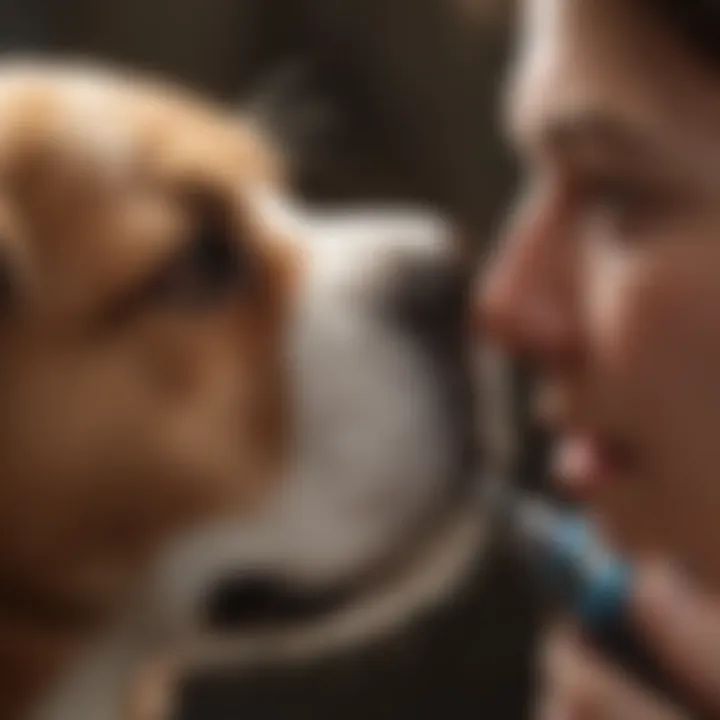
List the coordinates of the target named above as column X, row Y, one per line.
column 585, row 461
column 584, row 458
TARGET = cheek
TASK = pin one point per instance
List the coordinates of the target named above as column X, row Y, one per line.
column 655, row 327
column 668, row 340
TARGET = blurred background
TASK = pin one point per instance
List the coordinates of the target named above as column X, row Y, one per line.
column 413, row 88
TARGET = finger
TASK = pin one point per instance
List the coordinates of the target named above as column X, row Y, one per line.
column 581, row 686
column 683, row 626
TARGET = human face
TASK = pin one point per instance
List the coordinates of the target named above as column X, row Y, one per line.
column 608, row 278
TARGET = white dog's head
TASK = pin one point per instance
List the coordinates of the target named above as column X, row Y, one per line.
column 377, row 507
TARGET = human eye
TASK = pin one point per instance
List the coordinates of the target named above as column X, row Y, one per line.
column 622, row 207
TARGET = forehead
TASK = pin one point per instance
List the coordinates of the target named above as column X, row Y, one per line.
column 608, row 60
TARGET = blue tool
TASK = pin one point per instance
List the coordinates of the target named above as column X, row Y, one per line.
column 578, row 576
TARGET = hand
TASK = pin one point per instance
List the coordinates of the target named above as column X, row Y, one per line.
column 681, row 625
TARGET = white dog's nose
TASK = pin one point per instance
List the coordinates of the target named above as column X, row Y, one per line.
column 412, row 261
column 432, row 299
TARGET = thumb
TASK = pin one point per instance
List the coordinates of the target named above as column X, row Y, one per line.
column 682, row 625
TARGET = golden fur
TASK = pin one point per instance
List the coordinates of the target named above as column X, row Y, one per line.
column 134, row 399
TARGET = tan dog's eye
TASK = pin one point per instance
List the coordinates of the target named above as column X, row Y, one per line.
column 209, row 268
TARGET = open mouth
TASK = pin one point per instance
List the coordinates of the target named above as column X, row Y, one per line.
column 262, row 619
column 261, row 603
column 583, row 463
column 258, row 602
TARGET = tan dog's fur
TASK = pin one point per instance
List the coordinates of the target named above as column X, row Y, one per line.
column 124, row 415
column 178, row 341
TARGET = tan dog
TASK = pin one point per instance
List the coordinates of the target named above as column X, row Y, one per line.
column 200, row 382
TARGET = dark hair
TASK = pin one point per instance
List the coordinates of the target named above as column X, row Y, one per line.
column 695, row 22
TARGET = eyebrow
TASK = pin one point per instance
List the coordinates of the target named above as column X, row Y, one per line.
column 573, row 132
column 601, row 129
